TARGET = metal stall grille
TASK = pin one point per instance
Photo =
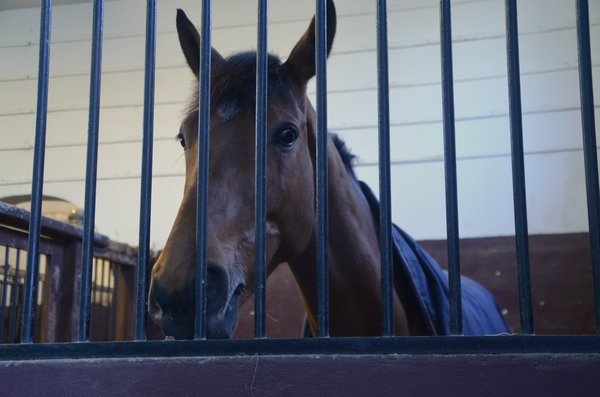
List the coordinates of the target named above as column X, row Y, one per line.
column 97, row 319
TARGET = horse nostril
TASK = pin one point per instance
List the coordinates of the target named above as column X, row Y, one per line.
column 239, row 290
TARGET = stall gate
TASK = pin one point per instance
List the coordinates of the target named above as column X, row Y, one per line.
column 453, row 365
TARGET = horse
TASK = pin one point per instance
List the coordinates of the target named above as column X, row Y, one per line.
column 354, row 253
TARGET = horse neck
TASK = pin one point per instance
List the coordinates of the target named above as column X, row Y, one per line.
column 354, row 262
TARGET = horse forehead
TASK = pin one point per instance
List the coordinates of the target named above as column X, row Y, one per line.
column 287, row 108
column 227, row 110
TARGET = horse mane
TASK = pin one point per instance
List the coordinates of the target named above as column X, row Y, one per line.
column 347, row 157
column 233, row 83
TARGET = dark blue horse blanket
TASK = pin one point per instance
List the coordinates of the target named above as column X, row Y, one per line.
column 416, row 270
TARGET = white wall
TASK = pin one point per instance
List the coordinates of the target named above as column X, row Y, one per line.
column 552, row 126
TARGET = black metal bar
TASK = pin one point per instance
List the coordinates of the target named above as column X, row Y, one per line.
column 4, row 288
column 33, row 259
column 385, row 197
column 15, row 299
column 146, row 188
column 321, row 169
column 518, row 168
column 586, row 87
column 91, row 173
column 260, row 250
column 433, row 345
column 456, row 325
column 202, row 176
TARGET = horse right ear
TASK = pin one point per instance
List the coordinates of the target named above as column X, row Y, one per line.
column 189, row 38
column 301, row 63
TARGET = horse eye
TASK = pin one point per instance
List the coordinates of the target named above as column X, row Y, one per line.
column 287, row 137
column 181, row 139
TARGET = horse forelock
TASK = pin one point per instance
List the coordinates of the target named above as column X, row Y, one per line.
column 233, row 84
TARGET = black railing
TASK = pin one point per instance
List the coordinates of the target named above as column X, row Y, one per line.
column 38, row 173
column 146, row 185
column 322, row 344
column 260, row 300
column 450, row 169
column 518, row 166
column 589, row 144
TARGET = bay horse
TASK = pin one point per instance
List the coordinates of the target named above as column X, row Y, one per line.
column 354, row 256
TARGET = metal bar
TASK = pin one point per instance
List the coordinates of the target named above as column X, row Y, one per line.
column 357, row 346
column 15, row 299
column 518, row 168
column 146, row 188
column 321, row 169
column 385, row 198
column 91, row 173
column 33, row 259
column 586, row 87
column 260, row 249
column 456, row 325
column 4, row 288
column 203, row 162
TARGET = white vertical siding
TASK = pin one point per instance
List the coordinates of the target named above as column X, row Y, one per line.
column 552, row 127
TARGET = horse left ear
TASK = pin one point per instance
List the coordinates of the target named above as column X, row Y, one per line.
column 301, row 63
column 189, row 38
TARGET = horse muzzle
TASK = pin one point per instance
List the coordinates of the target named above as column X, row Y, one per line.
column 174, row 311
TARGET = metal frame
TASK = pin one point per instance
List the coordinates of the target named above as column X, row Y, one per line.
column 322, row 344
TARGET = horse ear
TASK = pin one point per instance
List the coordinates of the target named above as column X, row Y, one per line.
column 301, row 63
column 189, row 38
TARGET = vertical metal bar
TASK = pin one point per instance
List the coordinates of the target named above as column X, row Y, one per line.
column 91, row 173
column 586, row 88
column 15, row 299
column 4, row 288
column 260, row 250
column 33, row 259
column 518, row 167
column 146, row 188
column 322, row 174
column 385, row 216
column 456, row 325
column 203, row 162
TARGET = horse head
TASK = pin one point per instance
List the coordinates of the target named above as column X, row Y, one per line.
column 231, row 196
